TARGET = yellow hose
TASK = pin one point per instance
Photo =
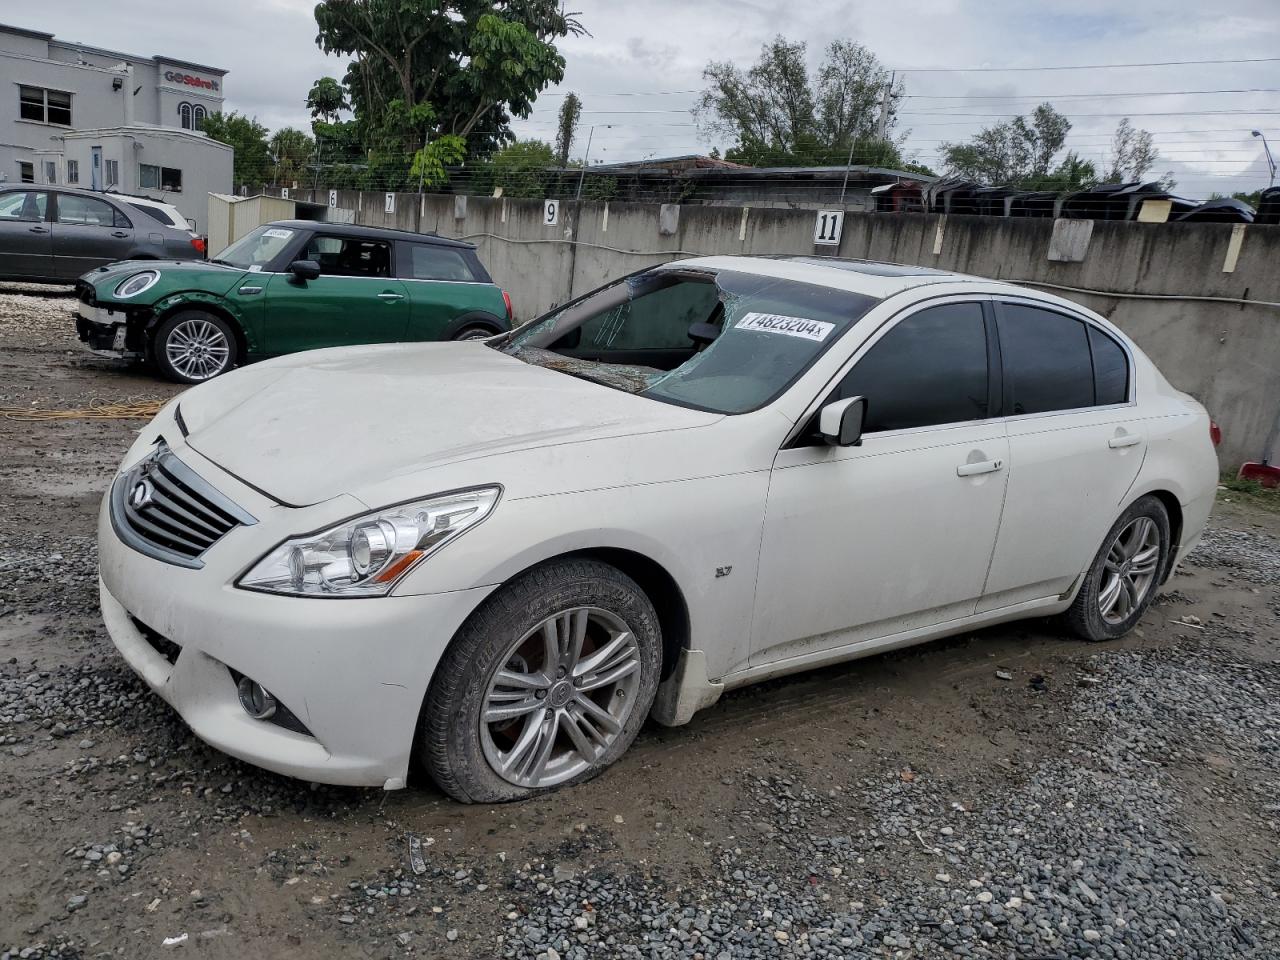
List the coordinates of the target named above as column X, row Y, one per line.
column 130, row 409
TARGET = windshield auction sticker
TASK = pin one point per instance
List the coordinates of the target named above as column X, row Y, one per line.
column 817, row 330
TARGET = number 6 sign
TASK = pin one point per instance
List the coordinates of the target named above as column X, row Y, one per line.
column 827, row 228
column 550, row 213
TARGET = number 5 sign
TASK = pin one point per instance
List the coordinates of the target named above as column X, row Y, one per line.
column 550, row 213
column 827, row 228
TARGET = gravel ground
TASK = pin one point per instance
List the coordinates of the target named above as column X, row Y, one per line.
column 1112, row 801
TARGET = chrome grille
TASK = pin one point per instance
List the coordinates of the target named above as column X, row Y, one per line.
column 163, row 508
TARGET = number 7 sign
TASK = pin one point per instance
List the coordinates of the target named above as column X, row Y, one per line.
column 827, row 228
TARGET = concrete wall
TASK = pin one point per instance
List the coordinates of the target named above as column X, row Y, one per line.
column 1146, row 275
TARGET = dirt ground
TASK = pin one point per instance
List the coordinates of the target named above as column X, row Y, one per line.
column 99, row 775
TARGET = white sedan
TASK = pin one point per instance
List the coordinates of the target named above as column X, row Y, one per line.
column 497, row 558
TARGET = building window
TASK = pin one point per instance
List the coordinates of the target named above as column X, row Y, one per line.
column 198, row 115
column 155, row 177
column 113, row 174
column 184, row 115
column 44, row 106
column 50, row 171
column 26, row 171
column 73, row 171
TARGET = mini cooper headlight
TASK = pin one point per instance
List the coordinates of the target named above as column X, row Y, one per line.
column 367, row 556
column 136, row 284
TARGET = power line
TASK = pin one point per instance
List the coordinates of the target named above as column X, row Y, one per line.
column 1090, row 66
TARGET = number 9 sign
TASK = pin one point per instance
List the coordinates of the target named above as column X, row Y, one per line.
column 550, row 213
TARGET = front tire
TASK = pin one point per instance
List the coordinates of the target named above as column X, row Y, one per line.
column 546, row 685
column 1125, row 575
column 193, row 346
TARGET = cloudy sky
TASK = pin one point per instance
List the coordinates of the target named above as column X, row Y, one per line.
column 658, row 48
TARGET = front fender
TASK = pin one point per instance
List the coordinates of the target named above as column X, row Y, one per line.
column 198, row 299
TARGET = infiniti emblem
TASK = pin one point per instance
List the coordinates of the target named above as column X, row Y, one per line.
column 141, row 494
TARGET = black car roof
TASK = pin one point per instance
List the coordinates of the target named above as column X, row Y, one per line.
column 374, row 233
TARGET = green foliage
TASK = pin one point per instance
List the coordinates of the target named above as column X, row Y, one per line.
column 426, row 70
column 600, row 188
column 522, row 170
column 252, row 162
column 1017, row 152
column 327, row 99
column 291, row 151
column 777, row 115
column 570, row 112
column 429, row 163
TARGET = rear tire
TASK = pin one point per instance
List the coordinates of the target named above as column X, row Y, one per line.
column 193, row 346
column 1125, row 574
column 475, row 331
column 567, row 655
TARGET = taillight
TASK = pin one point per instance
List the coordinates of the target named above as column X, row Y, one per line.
column 198, row 243
column 506, row 298
column 1215, row 433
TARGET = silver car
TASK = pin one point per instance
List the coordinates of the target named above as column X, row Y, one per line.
column 55, row 234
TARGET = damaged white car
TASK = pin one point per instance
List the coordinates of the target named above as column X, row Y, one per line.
column 496, row 559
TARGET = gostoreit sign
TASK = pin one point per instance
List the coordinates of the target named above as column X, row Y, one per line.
column 189, row 80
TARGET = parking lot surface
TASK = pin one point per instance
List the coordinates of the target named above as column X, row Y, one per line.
column 1010, row 793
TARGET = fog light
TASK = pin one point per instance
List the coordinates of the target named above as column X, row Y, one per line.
column 255, row 699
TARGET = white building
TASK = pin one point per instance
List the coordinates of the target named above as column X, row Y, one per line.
column 75, row 114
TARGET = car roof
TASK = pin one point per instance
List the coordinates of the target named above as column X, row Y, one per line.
column 376, row 233
column 873, row 278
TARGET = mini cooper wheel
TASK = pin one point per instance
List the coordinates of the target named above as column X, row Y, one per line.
column 547, row 684
column 193, row 346
column 1125, row 575
column 474, row 332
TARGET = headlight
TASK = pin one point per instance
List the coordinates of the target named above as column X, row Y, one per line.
column 136, row 284
column 367, row 556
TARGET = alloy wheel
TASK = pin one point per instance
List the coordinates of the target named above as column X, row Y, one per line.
column 197, row 349
column 1129, row 570
column 561, row 698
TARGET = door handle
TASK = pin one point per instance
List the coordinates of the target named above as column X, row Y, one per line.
column 390, row 297
column 39, row 230
column 119, row 233
column 973, row 469
column 1125, row 440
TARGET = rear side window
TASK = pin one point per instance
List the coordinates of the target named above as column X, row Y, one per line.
column 1046, row 360
column 426, row 261
column 1110, row 369
column 73, row 209
column 155, row 213
column 929, row 369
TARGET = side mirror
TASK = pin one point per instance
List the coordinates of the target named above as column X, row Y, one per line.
column 840, row 423
column 303, row 270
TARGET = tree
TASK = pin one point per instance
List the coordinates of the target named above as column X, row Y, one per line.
column 426, row 70
column 291, row 150
column 777, row 115
column 522, row 170
column 252, row 159
column 570, row 112
column 327, row 99
column 1133, row 153
column 1017, row 152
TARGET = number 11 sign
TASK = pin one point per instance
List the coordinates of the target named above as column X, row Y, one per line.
column 826, row 229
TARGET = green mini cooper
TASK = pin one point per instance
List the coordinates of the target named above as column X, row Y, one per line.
column 289, row 286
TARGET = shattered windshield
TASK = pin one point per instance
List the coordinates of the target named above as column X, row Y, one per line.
column 721, row 340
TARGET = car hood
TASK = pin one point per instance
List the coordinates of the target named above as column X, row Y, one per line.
column 175, row 275
column 311, row 426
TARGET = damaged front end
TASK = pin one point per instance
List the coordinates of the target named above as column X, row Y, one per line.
column 113, row 330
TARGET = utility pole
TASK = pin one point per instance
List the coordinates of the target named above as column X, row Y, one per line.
column 1271, row 163
column 586, row 156
column 882, row 132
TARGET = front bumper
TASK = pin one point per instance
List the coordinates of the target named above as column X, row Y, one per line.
column 354, row 671
column 106, row 331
